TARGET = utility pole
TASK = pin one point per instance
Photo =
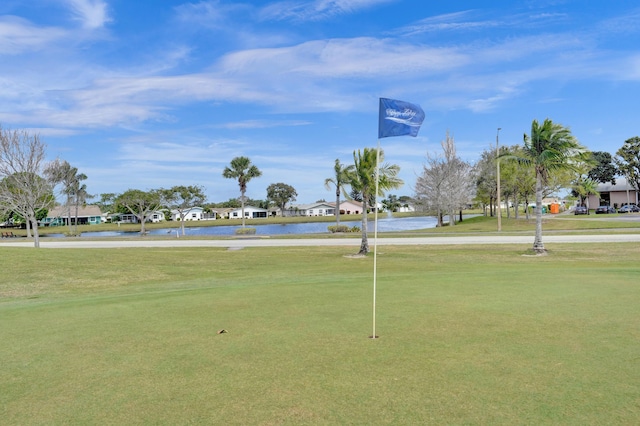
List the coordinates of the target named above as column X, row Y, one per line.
column 498, row 178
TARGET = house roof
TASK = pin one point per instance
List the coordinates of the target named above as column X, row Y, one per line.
column 313, row 205
column 621, row 185
column 188, row 210
column 83, row 211
column 223, row 210
column 250, row 208
column 352, row 202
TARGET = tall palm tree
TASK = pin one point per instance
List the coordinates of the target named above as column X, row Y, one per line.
column 243, row 171
column 550, row 147
column 61, row 172
column 362, row 179
column 339, row 180
column 81, row 196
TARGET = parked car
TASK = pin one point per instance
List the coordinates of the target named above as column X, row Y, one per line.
column 629, row 208
column 580, row 210
column 605, row 210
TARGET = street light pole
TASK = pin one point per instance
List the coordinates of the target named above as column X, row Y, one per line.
column 499, row 210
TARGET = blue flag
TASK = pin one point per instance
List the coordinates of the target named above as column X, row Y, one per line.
column 398, row 118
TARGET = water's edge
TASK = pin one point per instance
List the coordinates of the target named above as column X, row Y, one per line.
column 384, row 225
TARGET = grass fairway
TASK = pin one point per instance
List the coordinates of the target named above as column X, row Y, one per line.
column 468, row 335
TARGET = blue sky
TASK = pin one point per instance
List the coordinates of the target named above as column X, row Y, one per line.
column 155, row 93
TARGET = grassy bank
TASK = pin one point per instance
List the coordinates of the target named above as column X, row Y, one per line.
column 468, row 335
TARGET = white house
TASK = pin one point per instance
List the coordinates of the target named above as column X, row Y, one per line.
column 155, row 217
column 193, row 213
column 407, row 208
column 250, row 212
column 314, row 209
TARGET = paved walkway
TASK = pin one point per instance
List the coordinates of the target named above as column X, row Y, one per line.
column 297, row 242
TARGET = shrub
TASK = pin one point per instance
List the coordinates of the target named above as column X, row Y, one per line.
column 245, row 231
column 338, row 228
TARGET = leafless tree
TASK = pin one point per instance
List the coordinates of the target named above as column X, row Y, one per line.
column 429, row 189
column 23, row 190
column 446, row 184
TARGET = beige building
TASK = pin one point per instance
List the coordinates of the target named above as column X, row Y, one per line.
column 614, row 195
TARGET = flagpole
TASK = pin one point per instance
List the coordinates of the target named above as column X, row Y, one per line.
column 395, row 118
column 375, row 241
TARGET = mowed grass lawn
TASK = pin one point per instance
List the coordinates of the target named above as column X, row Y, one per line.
column 468, row 335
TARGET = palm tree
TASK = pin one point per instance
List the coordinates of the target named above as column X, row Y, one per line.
column 243, row 171
column 362, row 179
column 551, row 147
column 339, row 180
column 79, row 193
column 61, row 172
column 584, row 187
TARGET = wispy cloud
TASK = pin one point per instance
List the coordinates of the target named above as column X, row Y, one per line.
column 328, row 75
column 627, row 24
column 316, row 10
column 312, row 76
column 263, row 124
column 458, row 21
column 476, row 21
column 18, row 35
column 92, row 14
column 212, row 14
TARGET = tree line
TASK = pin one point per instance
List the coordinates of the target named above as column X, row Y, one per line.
column 549, row 159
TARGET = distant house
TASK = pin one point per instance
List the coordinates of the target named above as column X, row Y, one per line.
column 222, row 212
column 314, row 209
column 324, row 208
column 407, row 208
column 193, row 213
column 350, row 207
column 614, row 195
column 155, row 217
column 250, row 212
column 59, row 215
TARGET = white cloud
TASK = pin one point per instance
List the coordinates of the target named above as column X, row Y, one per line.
column 629, row 23
column 476, row 21
column 317, row 75
column 92, row 14
column 18, row 35
column 210, row 14
column 457, row 21
column 316, row 10
column 263, row 124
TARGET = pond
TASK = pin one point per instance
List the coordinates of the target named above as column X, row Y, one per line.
column 384, row 225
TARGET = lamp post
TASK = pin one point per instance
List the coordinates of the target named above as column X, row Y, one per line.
column 498, row 178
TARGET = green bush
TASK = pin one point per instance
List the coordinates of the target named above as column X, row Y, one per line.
column 245, row 231
column 338, row 228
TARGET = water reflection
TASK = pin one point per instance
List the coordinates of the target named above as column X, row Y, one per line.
column 384, row 225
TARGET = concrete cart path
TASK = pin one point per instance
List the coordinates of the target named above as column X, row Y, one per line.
column 298, row 242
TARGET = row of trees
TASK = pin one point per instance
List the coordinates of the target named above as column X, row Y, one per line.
column 548, row 156
column 550, row 159
column 365, row 176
